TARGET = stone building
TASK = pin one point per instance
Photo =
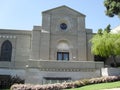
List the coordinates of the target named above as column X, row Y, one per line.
column 57, row 51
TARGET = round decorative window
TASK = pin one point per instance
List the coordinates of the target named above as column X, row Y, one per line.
column 63, row 26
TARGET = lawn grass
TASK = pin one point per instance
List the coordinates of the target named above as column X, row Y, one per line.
column 99, row 86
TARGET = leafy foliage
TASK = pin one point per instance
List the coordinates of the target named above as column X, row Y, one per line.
column 99, row 58
column 10, row 80
column 112, row 7
column 15, row 79
column 106, row 44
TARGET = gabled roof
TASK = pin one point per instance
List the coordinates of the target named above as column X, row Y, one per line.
column 50, row 10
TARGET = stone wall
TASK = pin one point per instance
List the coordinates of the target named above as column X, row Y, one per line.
column 110, row 71
column 13, row 72
column 21, row 44
column 39, row 70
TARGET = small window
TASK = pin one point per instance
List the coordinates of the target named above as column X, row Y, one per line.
column 63, row 26
column 63, row 56
column 6, row 51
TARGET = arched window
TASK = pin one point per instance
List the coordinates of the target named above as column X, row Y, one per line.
column 6, row 51
column 63, row 51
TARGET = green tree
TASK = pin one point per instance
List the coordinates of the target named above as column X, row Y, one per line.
column 106, row 44
column 100, row 31
column 107, row 29
column 112, row 7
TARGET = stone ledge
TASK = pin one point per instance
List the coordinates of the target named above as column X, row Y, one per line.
column 52, row 65
column 67, row 70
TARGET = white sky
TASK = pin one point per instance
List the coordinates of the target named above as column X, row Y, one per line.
column 23, row 14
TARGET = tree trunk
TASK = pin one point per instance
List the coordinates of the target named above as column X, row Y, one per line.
column 114, row 59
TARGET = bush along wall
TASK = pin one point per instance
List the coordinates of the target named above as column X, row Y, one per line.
column 15, row 79
column 9, row 81
column 65, row 85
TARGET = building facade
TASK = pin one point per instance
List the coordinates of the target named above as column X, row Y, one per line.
column 57, row 51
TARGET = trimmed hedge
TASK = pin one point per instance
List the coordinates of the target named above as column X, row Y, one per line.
column 65, row 85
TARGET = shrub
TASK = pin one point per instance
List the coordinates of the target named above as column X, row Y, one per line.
column 80, row 83
column 56, row 86
column 15, row 79
column 68, row 85
column 113, row 65
column 10, row 80
column 104, row 79
column 65, row 85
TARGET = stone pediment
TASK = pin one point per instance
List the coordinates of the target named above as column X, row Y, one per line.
column 63, row 10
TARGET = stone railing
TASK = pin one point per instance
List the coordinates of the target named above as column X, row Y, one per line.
column 52, row 65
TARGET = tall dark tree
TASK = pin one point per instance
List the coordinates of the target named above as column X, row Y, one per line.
column 112, row 7
column 107, row 29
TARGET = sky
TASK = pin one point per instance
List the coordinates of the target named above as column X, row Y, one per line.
column 24, row 14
